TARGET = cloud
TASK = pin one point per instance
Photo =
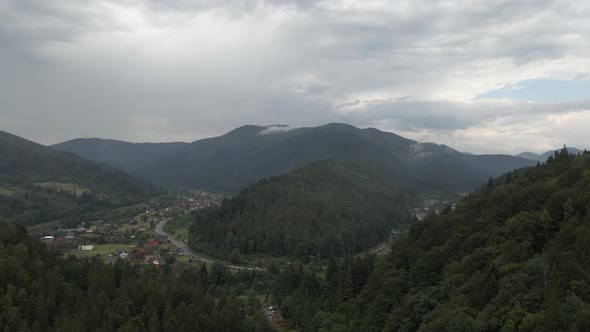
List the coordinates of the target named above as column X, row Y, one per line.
column 276, row 129
column 155, row 70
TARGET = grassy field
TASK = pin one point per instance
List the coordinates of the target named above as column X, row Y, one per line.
column 7, row 189
column 101, row 249
column 89, row 236
column 178, row 228
column 70, row 187
column 179, row 233
column 134, row 207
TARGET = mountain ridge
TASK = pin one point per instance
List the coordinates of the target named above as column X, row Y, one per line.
column 248, row 153
column 40, row 184
column 543, row 156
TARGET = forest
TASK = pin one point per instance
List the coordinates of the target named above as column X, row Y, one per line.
column 41, row 291
column 512, row 257
column 329, row 208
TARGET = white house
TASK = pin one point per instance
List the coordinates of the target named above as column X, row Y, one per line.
column 86, row 247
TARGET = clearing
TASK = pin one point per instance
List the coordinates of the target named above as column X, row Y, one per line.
column 70, row 187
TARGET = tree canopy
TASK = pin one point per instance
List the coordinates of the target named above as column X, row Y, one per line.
column 512, row 257
column 329, row 208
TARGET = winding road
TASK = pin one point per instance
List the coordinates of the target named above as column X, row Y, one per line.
column 160, row 230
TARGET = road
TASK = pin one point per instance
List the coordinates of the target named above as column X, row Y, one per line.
column 199, row 256
column 381, row 246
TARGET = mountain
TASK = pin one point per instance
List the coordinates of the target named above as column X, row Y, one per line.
column 543, row 157
column 122, row 155
column 512, row 257
column 249, row 153
column 328, row 208
column 39, row 184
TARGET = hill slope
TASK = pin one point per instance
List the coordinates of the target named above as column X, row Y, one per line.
column 247, row 154
column 122, row 155
column 328, row 208
column 41, row 184
column 513, row 257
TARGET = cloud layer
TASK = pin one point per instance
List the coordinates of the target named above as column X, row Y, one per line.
column 158, row 70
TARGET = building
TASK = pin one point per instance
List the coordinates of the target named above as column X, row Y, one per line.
column 86, row 247
column 158, row 262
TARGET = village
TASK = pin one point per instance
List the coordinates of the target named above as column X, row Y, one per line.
column 436, row 206
column 134, row 240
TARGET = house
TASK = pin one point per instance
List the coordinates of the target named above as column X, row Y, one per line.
column 86, row 247
column 90, row 230
column 158, row 261
column 138, row 256
column 124, row 255
column 48, row 237
column 153, row 243
column 70, row 236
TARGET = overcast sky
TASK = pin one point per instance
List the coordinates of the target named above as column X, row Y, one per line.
column 480, row 76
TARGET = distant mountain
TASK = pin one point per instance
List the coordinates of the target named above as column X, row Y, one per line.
column 39, row 184
column 529, row 155
column 327, row 208
column 249, row 153
column 123, row 155
column 543, row 157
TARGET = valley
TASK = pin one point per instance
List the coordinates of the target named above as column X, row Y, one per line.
column 349, row 240
column 294, row 166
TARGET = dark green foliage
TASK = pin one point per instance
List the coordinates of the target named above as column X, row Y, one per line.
column 513, row 257
column 41, row 291
column 122, row 155
column 311, row 304
column 329, row 208
column 24, row 163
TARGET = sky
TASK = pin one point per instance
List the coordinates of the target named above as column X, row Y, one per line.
column 493, row 76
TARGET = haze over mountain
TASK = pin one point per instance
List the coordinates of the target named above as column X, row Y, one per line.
column 249, row 153
column 543, row 157
column 40, row 184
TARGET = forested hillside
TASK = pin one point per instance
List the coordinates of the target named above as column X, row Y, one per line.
column 247, row 154
column 122, row 155
column 39, row 184
column 329, row 208
column 40, row 291
column 513, row 257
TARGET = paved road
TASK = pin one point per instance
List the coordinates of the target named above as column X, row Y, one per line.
column 199, row 256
